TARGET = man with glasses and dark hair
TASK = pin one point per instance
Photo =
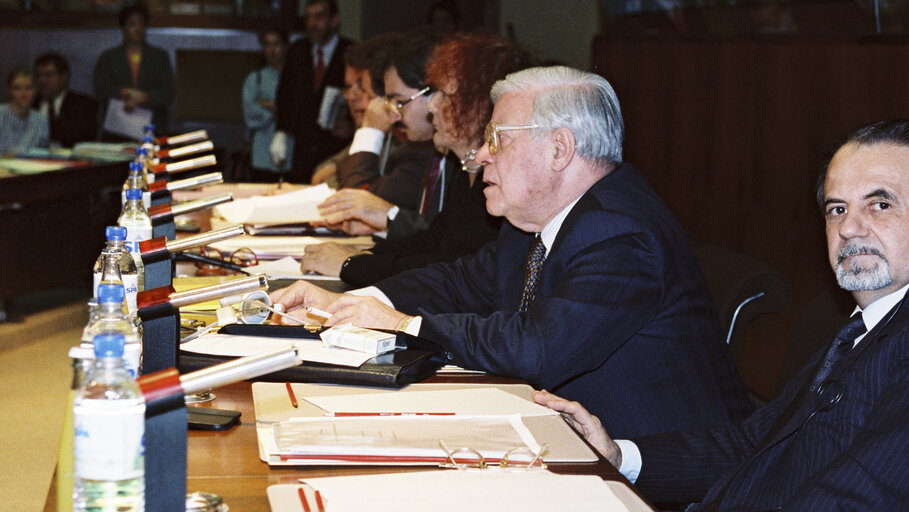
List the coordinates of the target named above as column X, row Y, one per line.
column 73, row 117
column 313, row 68
column 837, row 437
column 591, row 287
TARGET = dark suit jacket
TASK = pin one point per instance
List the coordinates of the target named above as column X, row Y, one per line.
column 77, row 120
column 297, row 105
column 852, row 456
column 462, row 227
column 156, row 77
column 403, row 181
column 408, row 222
column 622, row 320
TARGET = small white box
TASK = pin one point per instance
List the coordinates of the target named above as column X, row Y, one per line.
column 357, row 338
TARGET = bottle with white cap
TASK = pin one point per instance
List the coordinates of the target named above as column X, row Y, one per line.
column 138, row 229
column 108, row 434
column 116, row 264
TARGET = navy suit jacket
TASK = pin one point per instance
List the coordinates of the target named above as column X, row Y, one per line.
column 852, row 453
column 77, row 120
column 622, row 319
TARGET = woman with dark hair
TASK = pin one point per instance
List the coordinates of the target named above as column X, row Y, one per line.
column 135, row 72
column 461, row 72
column 21, row 126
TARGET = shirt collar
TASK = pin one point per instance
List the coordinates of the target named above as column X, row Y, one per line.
column 551, row 229
column 328, row 49
column 874, row 313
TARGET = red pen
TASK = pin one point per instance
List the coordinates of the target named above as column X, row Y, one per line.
column 303, row 500
column 293, row 397
column 353, row 414
column 319, row 502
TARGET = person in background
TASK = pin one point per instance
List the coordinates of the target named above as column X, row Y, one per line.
column 313, row 71
column 259, row 106
column 364, row 69
column 73, row 116
column 460, row 109
column 136, row 72
column 21, row 126
column 444, row 17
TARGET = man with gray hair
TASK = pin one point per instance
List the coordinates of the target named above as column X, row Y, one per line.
column 591, row 287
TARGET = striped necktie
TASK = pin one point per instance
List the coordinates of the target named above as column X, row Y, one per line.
column 535, row 258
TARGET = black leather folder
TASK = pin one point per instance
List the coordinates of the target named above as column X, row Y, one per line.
column 413, row 360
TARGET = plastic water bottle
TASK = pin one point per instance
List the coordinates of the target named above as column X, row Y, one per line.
column 119, row 265
column 108, row 435
column 136, row 179
column 138, row 229
column 111, row 318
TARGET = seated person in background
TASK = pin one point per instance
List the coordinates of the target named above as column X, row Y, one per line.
column 590, row 288
column 364, row 71
column 461, row 107
column 73, row 116
column 835, row 438
column 259, row 106
column 135, row 72
column 410, row 193
column 21, row 127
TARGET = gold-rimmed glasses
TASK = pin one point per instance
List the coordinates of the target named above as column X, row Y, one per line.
column 492, row 133
column 398, row 106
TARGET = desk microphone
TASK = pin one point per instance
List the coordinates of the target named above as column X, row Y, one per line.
column 165, row 213
column 185, row 150
column 162, row 188
column 165, row 301
column 162, row 170
column 160, row 248
column 196, row 136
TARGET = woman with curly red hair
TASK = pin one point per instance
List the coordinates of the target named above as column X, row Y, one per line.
column 461, row 72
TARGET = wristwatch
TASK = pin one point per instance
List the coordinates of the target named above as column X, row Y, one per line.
column 345, row 264
column 392, row 212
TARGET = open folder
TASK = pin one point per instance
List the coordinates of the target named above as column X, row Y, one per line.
column 541, row 427
column 457, row 491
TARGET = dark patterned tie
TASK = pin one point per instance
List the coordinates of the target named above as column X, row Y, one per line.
column 320, row 70
column 432, row 179
column 532, row 272
column 801, row 406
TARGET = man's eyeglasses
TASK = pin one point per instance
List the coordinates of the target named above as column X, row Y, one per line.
column 398, row 106
column 493, row 129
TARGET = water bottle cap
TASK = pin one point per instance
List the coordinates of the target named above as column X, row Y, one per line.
column 142, row 151
column 115, row 233
column 149, row 127
column 111, row 293
column 135, row 166
column 109, row 345
column 133, row 193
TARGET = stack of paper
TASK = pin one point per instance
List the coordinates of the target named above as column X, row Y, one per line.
column 297, row 206
column 277, row 247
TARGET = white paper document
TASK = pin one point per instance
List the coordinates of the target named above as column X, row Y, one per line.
column 240, row 346
column 286, row 268
column 479, row 401
column 457, row 491
column 129, row 124
column 277, row 247
column 297, row 206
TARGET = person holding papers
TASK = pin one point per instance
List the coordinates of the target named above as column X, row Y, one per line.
column 591, row 288
column 460, row 112
column 837, row 437
column 135, row 72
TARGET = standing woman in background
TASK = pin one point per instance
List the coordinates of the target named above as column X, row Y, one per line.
column 135, row 72
column 21, row 127
column 259, row 107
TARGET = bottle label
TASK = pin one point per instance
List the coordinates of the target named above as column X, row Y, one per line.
column 134, row 235
column 109, row 439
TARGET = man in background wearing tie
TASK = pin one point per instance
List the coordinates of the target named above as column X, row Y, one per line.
column 591, row 283
column 73, row 117
column 313, row 69
column 837, row 437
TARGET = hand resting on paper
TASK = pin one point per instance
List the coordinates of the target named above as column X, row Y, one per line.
column 344, row 308
column 585, row 423
column 326, row 258
column 353, row 204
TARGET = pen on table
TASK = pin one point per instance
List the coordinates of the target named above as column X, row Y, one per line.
column 303, row 500
column 319, row 502
column 293, row 397
column 355, row 414
column 317, row 312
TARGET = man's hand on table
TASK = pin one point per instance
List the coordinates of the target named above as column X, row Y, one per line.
column 344, row 308
column 353, row 204
column 581, row 420
column 326, row 258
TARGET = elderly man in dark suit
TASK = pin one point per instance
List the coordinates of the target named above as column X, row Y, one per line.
column 837, row 437
column 590, row 285
column 314, row 65
column 73, row 117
